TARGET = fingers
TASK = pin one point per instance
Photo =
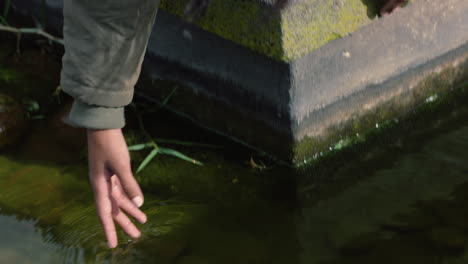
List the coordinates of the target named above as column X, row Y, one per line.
column 104, row 208
column 124, row 203
column 108, row 204
column 130, row 186
column 127, row 226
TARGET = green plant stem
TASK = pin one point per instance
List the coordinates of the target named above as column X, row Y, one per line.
column 184, row 143
column 6, row 10
column 3, row 21
column 142, row 127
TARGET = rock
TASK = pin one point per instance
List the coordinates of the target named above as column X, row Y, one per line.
column 448, row 239
column 13, row 120
column 71, row 138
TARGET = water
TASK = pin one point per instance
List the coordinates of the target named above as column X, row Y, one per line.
column 209, row 214
column 402, row 200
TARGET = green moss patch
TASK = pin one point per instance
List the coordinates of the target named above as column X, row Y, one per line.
column 435, row 96
column 282, row 35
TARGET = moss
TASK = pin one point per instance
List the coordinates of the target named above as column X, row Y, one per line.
column 59, row 196
column 12, row 120
column 427, row 98
column 9, row 76
column 282, row 35
column 311, row 24
column 239, row 22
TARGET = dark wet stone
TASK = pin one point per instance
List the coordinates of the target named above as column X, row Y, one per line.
column 71, row 138
column 413, row 221
column 12, row 120
column 448, row 239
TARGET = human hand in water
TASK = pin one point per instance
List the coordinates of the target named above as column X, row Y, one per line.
column 115, row 189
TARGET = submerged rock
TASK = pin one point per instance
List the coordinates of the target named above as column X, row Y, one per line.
column 12, row 120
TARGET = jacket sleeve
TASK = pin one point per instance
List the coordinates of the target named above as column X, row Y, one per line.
column 105, row 42
column 95, row 117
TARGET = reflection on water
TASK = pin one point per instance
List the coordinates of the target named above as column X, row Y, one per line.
column 408, row 204
column 22, row 243
column 408, row 211
column 411, row 208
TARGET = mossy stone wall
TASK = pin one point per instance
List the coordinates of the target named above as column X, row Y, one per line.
column 283, row 35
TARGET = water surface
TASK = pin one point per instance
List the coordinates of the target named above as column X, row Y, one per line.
column 404, row 199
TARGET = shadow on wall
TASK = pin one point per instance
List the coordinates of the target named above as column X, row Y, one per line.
column 373, row 7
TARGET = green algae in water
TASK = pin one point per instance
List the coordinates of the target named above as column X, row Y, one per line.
column 200, row 215
column 193, row 210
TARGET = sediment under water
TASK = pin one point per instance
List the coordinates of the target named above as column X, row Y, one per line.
column 409, row 207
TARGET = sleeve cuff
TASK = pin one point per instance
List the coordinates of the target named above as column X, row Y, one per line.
column 95, row 117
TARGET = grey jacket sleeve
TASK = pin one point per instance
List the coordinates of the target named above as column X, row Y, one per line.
column 95, row 117
column 105, row 42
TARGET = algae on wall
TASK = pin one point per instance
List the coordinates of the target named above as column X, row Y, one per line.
column 283, row 35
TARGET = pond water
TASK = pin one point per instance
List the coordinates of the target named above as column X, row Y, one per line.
column 403, row 200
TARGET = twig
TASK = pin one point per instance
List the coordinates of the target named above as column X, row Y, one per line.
column 36, row 31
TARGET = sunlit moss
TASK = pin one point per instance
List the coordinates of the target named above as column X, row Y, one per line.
column 286, row 35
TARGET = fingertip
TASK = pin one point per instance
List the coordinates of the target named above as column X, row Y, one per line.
column 111, row 245
column 138, row 234
column 134, row 233
column 137, row 201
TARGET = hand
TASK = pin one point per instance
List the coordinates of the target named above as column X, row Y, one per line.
column 115, row 188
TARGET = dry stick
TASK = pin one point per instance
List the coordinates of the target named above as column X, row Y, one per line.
column 36, row 31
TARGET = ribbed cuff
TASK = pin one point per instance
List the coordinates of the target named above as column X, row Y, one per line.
column 95, row 117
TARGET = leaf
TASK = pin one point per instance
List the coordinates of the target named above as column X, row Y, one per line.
column 184, row 143
column 179, row 155
column 3, row 21
column 166, row 100
column 139, row 146
column 256, row 165
column 147, row 160
column 38, row 117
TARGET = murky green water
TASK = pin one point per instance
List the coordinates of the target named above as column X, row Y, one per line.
column 209, row 214
column 402, row 200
